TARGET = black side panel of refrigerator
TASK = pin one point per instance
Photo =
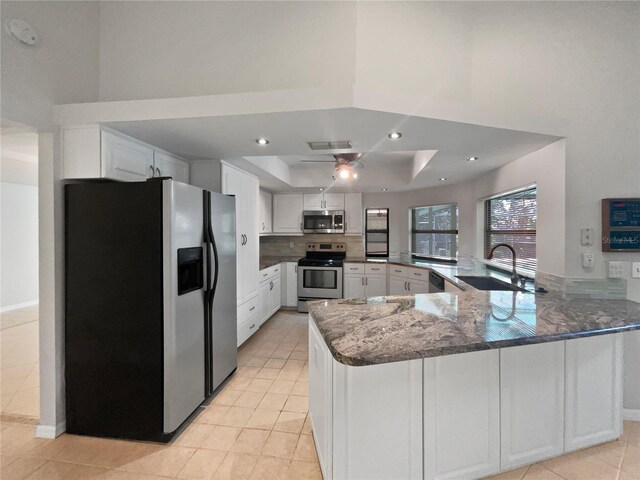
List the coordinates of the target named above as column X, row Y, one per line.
column 114, row 309
column 208, row 330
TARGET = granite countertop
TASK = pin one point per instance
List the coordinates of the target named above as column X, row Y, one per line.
column 267, row 261
column 388, row 329
column 464, row 266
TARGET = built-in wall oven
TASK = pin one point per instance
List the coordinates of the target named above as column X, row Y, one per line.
column 320, row 273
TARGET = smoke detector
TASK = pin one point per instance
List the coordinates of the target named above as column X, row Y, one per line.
column 22, row 31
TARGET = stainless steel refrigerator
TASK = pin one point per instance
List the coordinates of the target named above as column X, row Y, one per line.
column 150, row 309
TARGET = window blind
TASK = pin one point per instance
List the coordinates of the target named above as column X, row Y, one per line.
column 511, row 219
column 434, row 231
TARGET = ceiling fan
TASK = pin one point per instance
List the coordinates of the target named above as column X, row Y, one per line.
column 345, row 164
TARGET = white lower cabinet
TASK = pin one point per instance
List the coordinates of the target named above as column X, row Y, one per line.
column 532, row 398
column 593, row 381
column 364, row 281
column 462, row 415
column 353, row 286
column 248, row 319
column 269, row 289
column 290, row 286
column 397, row 285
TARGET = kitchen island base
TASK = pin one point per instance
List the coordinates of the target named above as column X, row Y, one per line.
column 463, row 416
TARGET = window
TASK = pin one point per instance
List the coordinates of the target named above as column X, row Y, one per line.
column 376, row 232
column 511, row 219
column 434, row 231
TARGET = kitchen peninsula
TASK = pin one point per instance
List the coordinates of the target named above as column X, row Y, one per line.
column 462, row 385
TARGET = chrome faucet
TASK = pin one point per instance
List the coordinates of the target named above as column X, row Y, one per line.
column 514, row 275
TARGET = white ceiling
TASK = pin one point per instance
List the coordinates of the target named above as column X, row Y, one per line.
column 389, row 164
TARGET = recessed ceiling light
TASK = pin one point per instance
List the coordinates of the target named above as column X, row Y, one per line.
column 321, row 189
column 443, row 179
column 262, row 141
column 384, row 189
column 472, row 159
column 394, row 135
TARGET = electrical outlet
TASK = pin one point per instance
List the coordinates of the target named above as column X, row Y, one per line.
column 616, row 269
column 586, row 237
column 588, row 260
column 290, row 244
column 635, row 269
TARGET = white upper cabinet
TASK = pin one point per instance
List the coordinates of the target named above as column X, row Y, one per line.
column 95, row 152
column 353, row 213
column 326, row 201
column 287, row 213
column 266, row 213
column 166, row 165
column 123, row 159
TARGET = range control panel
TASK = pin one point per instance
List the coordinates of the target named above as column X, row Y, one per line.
column 621, row 225
column 326, row 247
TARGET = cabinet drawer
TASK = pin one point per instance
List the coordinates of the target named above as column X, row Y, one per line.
column 353, row 268
column 375, row 269
column 248, row 309
column 418, row 273
column 248, row 328
column 397, row 271
column 269, row 273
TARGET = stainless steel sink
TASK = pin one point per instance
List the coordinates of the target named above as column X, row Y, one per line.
column 489, row 283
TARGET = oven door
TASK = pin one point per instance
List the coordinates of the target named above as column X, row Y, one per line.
column 317, row 222
column 319, row 282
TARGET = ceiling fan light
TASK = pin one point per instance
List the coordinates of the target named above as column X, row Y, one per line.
column 344, row 173
column 394, row 135
column 355, row 175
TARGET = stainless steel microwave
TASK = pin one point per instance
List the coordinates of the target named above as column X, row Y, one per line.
column 323, row 221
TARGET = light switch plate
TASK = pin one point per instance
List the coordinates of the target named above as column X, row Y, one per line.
column 635, row 269
column 586, row 237
column 616, row 269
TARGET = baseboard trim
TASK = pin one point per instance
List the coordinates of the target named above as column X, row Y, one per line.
column 17, row 306
column 631, row 414
column 51, row 431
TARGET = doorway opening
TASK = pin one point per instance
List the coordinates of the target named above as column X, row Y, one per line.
column 19, row 265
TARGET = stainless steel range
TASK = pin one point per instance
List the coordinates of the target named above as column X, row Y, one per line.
column 320, row 273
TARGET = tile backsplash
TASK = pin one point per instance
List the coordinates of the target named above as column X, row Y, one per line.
column 281, row 245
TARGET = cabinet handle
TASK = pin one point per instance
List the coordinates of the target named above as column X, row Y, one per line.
column 417, row 274
column 362, row 281
column 409, row 283
column 252, row 326
column 151, row 171
column 353, row 268
column 246, row 239
column 405, row 285
column 264, row 274
column 270, row 286
column 376, row 269
column 398, row 271
column 252, row 308
column 159, row 172
column 277, row 270
column 366, row 280
column 300, row 226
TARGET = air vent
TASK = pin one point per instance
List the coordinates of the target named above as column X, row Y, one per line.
column 336, row 145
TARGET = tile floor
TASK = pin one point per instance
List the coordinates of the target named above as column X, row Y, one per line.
column 256, row 428
column 19, row 367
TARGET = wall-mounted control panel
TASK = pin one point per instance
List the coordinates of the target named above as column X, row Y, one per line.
column 621, row 225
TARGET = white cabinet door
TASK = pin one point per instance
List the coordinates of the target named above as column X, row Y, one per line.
column 375, row 285
column 265, row 310
column 125, row 160
column 321, row 399
column 313, row 201
column 593, row 385
column 334, row 201
column 264, row 224
column 292, row 285
column 532, row 403
column 251, row 248
column 462, row 414
column 166, row 165
column 353, row 214
column 274, row 302
column 417, row 286
column 398, row 286
column 287, row 213
column 232, row 185
column 377, row 415
column 353, row 286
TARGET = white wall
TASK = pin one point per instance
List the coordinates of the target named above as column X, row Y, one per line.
column 173, row 49
column 18, row 244
column 62, row 68
column 545, row 168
